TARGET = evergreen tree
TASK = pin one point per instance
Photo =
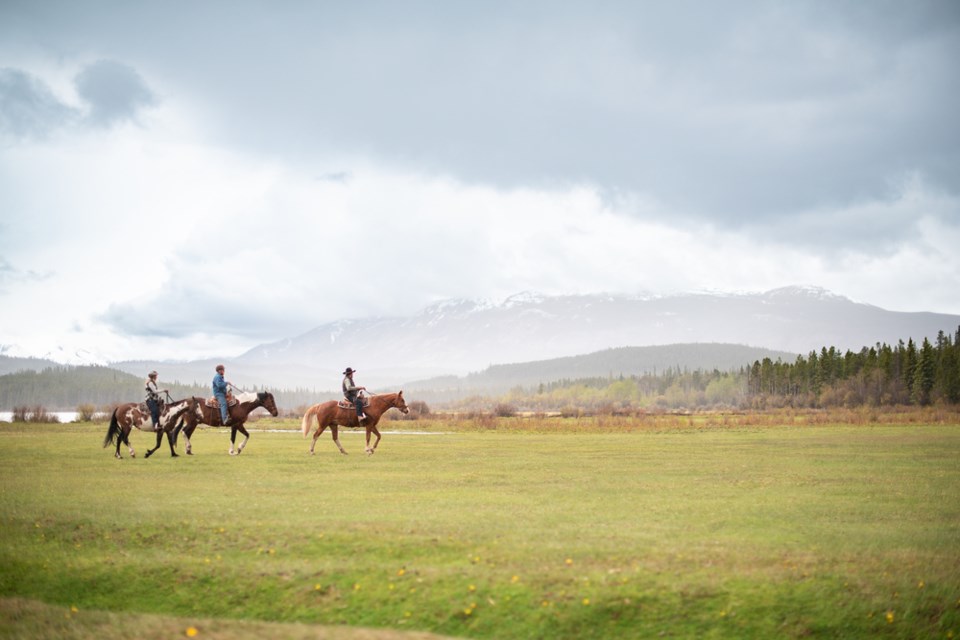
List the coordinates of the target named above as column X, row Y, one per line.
column 924, row 374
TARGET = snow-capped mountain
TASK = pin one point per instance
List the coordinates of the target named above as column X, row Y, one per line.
column 458, row 337
column 462, row 336
column 58, row 355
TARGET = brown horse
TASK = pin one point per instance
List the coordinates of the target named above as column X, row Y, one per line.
column 246, row 403
column 133, row 414
column 328, row 414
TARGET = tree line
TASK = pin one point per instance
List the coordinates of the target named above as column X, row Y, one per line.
column 882, row 375
column 905, row 374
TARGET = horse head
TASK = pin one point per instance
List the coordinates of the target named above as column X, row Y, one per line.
column 400, row 403
column 265, row 398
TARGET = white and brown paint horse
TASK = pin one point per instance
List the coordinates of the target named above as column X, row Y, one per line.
column 203, row 414
column 331, row 414
column 134, row 414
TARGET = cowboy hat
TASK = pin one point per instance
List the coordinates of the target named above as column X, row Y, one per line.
column 349, row 371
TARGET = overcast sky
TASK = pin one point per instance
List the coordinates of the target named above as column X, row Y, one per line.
column 190, row 179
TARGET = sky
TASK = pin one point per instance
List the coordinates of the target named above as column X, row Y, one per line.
column 181, row 180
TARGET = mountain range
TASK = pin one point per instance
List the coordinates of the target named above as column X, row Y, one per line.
column 465, row 344
column 459, row 337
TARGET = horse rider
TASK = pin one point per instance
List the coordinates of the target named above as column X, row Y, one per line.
column 153, row 399
column 220, row 393
column 352, row 393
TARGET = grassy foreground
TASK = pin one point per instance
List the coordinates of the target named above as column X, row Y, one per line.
column 825, row 531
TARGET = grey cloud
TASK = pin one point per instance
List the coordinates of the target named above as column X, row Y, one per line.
column 10, row 274
column 28, row 108
column 734, row 112
column 742, row 114
column 182, row 310
column 114, row 91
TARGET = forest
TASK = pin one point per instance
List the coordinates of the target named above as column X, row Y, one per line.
column 882, row 375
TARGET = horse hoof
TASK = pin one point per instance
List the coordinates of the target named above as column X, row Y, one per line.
column 174, row 455
column 189, row 453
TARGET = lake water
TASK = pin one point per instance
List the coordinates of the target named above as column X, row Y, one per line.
column 65, row 416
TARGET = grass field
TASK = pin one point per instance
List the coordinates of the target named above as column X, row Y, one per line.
column 495, row 532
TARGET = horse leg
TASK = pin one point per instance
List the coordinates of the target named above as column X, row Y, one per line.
column 173, row 452
column 150, row 451
column 233, row 440
column 371, row 450
column 336, row 439
column 246, row 436
column 316, row 435
column 187, row 432
column 126, row 440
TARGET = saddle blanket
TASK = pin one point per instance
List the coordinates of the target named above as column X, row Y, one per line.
column 346, row 404
column 213, row 404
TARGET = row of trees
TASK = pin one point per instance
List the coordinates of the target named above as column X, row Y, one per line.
column 881, row 375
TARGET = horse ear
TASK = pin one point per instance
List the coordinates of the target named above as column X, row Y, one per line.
column 400, row 394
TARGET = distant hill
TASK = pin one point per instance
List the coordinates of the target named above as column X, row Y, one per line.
column 64, row 387
column 609, row 363
column 61, row 387
column 12, row 365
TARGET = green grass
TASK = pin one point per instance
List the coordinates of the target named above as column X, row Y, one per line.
column 823, row 531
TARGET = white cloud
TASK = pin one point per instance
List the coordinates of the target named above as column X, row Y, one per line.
column 393, row 161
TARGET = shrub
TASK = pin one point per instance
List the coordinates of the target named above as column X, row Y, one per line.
column 86, row 412
column 504, row 410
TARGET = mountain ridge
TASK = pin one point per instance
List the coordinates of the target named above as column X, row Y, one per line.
column 457, row 337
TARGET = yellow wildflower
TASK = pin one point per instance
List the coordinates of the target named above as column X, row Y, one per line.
column 889, row 617
column 191, row 632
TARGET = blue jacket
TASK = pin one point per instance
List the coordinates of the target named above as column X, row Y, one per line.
column 219, row 385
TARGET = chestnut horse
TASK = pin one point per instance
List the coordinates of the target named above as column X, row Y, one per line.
column 328, row 414
column 246, row 403
column 133, row 414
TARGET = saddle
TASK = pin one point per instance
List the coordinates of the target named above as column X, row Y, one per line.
column 346, row 404
column 145, row 409
column 213, row 404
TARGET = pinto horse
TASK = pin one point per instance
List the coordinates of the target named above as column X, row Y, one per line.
column 133, row 414
column 329, row 414
column 203, row 414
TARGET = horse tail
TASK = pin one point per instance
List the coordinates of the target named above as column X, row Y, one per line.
column 305, row 423
column 113, row 431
